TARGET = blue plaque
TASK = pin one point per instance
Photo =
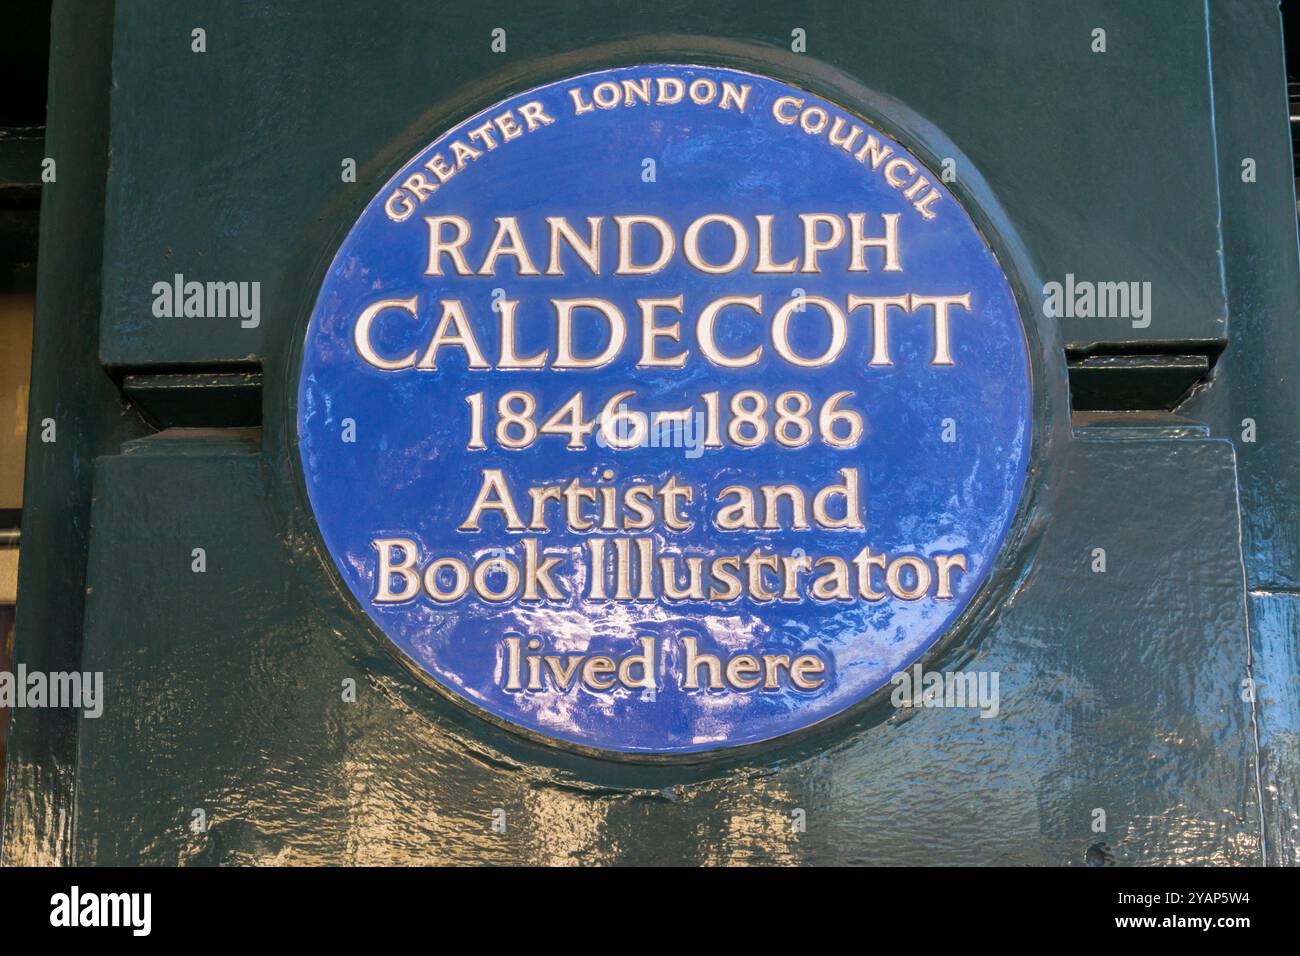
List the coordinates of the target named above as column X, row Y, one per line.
column 664, row 409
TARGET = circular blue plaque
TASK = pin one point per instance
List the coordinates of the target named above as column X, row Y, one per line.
column 664, row 409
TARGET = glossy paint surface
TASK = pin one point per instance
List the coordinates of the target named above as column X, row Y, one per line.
column 941, row 461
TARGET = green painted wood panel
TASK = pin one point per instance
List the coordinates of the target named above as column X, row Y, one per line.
column 226, row 164
column 1118, row 690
